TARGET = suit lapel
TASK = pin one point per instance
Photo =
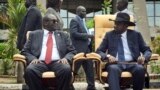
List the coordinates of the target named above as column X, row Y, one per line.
column 130, row 44
column 58, row 39
column 40, row 40
column 81, row 24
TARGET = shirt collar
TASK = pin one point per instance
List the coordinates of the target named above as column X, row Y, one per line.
column 46, row 32
column 124, row 34
column 125, row 10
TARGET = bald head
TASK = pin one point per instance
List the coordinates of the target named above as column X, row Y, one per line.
column 28, row 3
column 81, row 11
column 122, row 4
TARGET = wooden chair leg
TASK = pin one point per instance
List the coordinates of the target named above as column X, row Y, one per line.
column 20, row 72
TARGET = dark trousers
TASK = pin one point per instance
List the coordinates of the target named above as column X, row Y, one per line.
column 33, row 74
column 89, row 71
column 114, row 73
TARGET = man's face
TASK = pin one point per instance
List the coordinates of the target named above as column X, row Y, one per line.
column 51, row 24
column 120, row 6
column 120, row 27
column 27, row 3
column 82, row 12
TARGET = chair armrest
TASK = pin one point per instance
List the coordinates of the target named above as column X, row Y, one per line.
column 154, row 57
column 96, row 57
column 77, row 57
column 93, row 56
column 19, row 58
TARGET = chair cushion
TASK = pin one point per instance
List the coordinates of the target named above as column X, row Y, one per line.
column 124, row 74
column 48, row 74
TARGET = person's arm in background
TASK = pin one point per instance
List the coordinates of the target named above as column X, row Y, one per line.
column 74, row 31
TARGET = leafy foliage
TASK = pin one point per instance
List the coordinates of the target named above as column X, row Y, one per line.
column 90, row 23
column 155, row 67
column 12, row 18
column 155, row 44
column 106, row 6
column 2, row 48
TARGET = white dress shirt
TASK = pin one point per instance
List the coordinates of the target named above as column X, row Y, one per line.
column 125, row 11
column 127, row 52
column 55, row 53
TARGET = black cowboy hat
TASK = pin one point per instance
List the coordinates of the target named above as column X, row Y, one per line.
column 123, row 17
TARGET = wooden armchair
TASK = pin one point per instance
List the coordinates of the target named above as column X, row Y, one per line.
column 103, row 25
column 47, row 76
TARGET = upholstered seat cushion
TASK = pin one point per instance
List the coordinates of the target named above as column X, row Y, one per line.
column 48, row 74
column 124, row 74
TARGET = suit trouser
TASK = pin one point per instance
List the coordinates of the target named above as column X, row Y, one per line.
column 34, row 72
column 89, row 71
column 114, row 73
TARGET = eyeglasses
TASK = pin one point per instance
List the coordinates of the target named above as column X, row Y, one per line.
column 54, row 21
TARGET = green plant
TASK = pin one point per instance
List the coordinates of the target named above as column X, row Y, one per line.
column 155, row 67
column 2, row 48
column 155, row 45
column 12, row 18
column 106, row 6
column 90, row 23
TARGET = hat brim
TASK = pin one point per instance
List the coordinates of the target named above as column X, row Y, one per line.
column 127, row 22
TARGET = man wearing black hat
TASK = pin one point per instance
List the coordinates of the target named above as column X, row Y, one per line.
column 124, row 45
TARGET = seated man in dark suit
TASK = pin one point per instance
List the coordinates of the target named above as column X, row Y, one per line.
column 123, row 45
column 48, row 50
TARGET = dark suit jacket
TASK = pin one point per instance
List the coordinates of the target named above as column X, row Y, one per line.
column 78, row 35
column 31, row 21
column 135, row 42
column 33, row 46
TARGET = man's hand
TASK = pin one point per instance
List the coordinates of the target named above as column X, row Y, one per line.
column 35, row 61
column 63, row 60
column 111, row 59
column 91, row 36
column 141, row 60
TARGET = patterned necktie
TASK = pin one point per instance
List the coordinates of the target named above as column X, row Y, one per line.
column 49, row 45
column 120, row 49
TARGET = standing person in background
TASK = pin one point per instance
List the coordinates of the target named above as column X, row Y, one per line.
column 53, row 7
column 122, row 6
column 81, row 39
column 32, row 21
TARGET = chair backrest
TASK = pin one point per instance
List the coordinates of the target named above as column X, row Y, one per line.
column 103, row 25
